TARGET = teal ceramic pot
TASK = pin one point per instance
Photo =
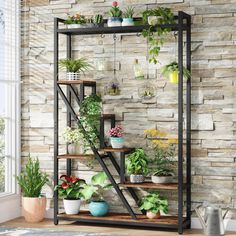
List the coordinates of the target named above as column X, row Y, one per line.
column 117, row 142
column 127, row 22
column 114, row 21
column 98, row 208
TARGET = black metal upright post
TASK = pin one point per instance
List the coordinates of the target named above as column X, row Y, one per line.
column 68, row 117
column 188, row 122
column 180, row 124
column 55, row 119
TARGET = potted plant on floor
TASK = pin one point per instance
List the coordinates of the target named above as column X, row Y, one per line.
column 98, row 20
column 171, row 71
column 75, row 140
column 137, row 165
column 70, row 189
column 115, row 16
column 94, row 193
column 31, row 181
column 116, row 136
column 128, row 17
column 164, row 150
column 74, row 67
column 76, row 21
column 154, row 204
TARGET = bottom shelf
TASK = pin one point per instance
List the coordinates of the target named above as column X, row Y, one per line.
column 125, row 219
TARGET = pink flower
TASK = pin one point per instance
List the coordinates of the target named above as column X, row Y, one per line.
column 117, row 131
column 115, row 3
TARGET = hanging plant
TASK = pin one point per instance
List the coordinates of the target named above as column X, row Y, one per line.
column 171, row 71
column 156, row 35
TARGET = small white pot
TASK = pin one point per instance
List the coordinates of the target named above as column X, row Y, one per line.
column 117, row 142
column 72, row 76
column 75, row 148
column 153, row 20
column 137, row 178
column 162, row 179
column 75, row 26
column 72, row 207
column 151, row 215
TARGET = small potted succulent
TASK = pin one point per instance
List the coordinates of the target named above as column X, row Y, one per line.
column 113, row 88
column 128, row 17
column 115, row 16
column 74, row 67
column 75, row 139
column 89, row 22
column 94, row 193
column 116, row 136
column 171, row 71
column 98, row 20
column 76, row 21
column 153, row 204
column 31, row 181
column 137, row 165
column 70, row 189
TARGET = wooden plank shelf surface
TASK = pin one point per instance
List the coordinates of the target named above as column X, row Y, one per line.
column 123, row 218
column 124, row 150
column 84, row 82
column 79, row 157
column 150, row 185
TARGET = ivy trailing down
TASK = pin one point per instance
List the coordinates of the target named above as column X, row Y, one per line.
column 155, row 34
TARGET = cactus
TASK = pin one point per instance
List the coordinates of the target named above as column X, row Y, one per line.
column 98, row 19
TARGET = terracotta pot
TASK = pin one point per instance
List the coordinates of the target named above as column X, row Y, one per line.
column 151, row 215
column 33, row 208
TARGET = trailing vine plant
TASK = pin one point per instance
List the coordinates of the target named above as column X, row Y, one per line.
column 154, row 34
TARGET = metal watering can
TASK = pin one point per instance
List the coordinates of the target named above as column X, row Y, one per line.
column 213, row 220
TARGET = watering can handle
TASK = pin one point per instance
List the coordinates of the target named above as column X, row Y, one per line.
column 200, row 217
column 226, row 212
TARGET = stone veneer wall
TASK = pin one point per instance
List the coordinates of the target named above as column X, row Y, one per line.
column 213, row 86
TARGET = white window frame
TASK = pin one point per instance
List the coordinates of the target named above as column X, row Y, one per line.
column 13, row 105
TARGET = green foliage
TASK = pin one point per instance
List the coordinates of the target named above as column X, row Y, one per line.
column 70, row 187
column 77, row 65
column 129, row 12
column 172, row 67
column 154, row 203
column 32, row 179
column 98, row 19
column 137, row 162
column 95, row 190
column 156, row 35
column 115, row 12
column 76, row 19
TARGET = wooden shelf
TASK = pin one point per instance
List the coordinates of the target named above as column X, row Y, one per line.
column 81, row 157
column 124, row 219
column 150, row 185
column 84, row 82
column 124, row 150
column 108, row 116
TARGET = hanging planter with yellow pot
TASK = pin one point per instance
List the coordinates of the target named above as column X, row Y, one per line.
column 171, row 71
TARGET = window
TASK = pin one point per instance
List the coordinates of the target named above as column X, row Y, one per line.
column 9, row 95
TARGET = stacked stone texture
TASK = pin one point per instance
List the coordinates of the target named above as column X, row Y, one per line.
column 213, row 89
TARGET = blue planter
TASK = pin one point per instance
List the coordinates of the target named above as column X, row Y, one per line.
column 127, row 22
column 98, row 208
column 117, row 142
column 114, row 21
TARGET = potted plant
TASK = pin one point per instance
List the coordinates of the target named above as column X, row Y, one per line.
column 31, row 181
column 70, row 189
column 128, row 17
column 75, row 139
column 89, row 22
column 113, row 89
column 137, row 165
column 162, row 164
column 156, row 35
column 94, row 193
column 171, row 71
column 154, row 204
column 115, row 16
column 74, row 67
column 147, row 91
column 98, row 20
column 116, row 136
column 76, row 21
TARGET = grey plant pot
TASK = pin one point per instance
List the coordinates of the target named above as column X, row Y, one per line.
column 162, row 179
column 137, row 178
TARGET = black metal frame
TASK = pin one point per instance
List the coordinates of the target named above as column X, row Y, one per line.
column 182, row 25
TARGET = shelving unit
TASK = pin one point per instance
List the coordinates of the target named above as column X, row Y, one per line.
column 183, row 219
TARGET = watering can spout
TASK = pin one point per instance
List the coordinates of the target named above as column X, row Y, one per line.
column 202, row 221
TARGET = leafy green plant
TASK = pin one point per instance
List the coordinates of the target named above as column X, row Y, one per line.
column 72, row 135
column 32, row 179
column 115, row 10
column 74, row 65
column 98, row 19
column 76, row 19
column 173, row 67
column 95, row 190
column 156, row 35
column 154, row 203
column 128, row 12
column 137, row 162
column 70, row 187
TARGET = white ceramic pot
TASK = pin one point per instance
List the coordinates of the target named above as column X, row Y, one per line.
column 151, row 215
column 117, row 142
column 127, row 22
column 72, row 76
column 75, row 148
column 114, row 21
column 162, row 179
column 137, row 178
column 153, row 20
column 72, row 207
column 75, row 26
